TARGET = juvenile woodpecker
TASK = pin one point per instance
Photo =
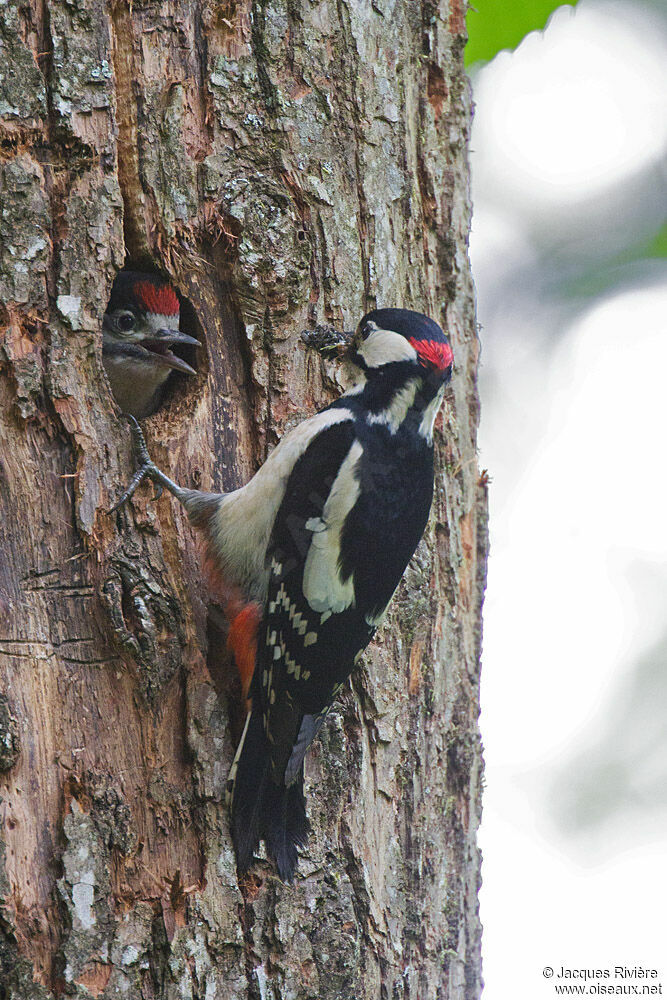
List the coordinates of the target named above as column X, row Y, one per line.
column 316, row 544
column 140, row 326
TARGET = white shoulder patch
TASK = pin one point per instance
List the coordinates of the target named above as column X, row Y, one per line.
column 322, row 585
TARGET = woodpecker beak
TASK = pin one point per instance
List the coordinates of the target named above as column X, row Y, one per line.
column 327, row 341
column 158, row 344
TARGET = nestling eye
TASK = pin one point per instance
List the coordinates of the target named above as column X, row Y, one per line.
column 125, row 321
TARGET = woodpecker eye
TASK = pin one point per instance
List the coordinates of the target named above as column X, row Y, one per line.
column 125, row 321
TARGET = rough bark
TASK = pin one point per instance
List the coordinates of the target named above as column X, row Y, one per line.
column 285, row 162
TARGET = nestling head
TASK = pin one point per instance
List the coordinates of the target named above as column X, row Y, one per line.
column 143, row 316
column 140, row 327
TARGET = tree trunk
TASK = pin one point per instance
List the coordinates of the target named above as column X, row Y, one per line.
column 285, row 162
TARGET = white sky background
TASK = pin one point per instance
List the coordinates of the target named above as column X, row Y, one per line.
column 569, row 168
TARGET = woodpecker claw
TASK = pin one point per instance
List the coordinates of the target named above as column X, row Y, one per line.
column 137, row 479
column 138, row 441
column 147, row 469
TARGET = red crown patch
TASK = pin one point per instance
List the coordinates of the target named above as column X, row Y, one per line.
column 160, row 299
column 436, row 352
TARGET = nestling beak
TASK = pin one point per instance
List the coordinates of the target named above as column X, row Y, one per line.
column 158, row 344
column 328, row 341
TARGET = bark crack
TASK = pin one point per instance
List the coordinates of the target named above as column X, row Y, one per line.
column 129, row 172
column 351, row 74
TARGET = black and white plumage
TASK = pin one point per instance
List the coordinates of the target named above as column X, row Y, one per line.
column 320, row 538
column 139, row 329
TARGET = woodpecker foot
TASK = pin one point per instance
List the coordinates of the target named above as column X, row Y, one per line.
column 147, row 470
column 328, row 341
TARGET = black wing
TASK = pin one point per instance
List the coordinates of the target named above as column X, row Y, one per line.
column 349, row 522
column 306, row 648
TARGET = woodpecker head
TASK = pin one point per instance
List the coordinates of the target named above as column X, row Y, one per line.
column 405, row 360
column 388, row 338
column 140, row 328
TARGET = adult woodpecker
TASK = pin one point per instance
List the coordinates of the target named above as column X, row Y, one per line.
column 139, row 328
column 315, row 545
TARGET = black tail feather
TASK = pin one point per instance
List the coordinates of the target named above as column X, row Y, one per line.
column 263, row 810
column 248, row 779
column 286, row 826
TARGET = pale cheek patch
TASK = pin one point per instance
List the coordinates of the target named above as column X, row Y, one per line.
column 383, row 346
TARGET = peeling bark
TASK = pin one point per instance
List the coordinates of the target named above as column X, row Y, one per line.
column 284, row 163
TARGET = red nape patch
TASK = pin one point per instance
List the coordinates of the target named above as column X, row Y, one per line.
column 160, row 299
column 435, row 352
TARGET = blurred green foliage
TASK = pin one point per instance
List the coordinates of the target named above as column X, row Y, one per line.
column 658, row 245
column 494, row 25
column 597, row 278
